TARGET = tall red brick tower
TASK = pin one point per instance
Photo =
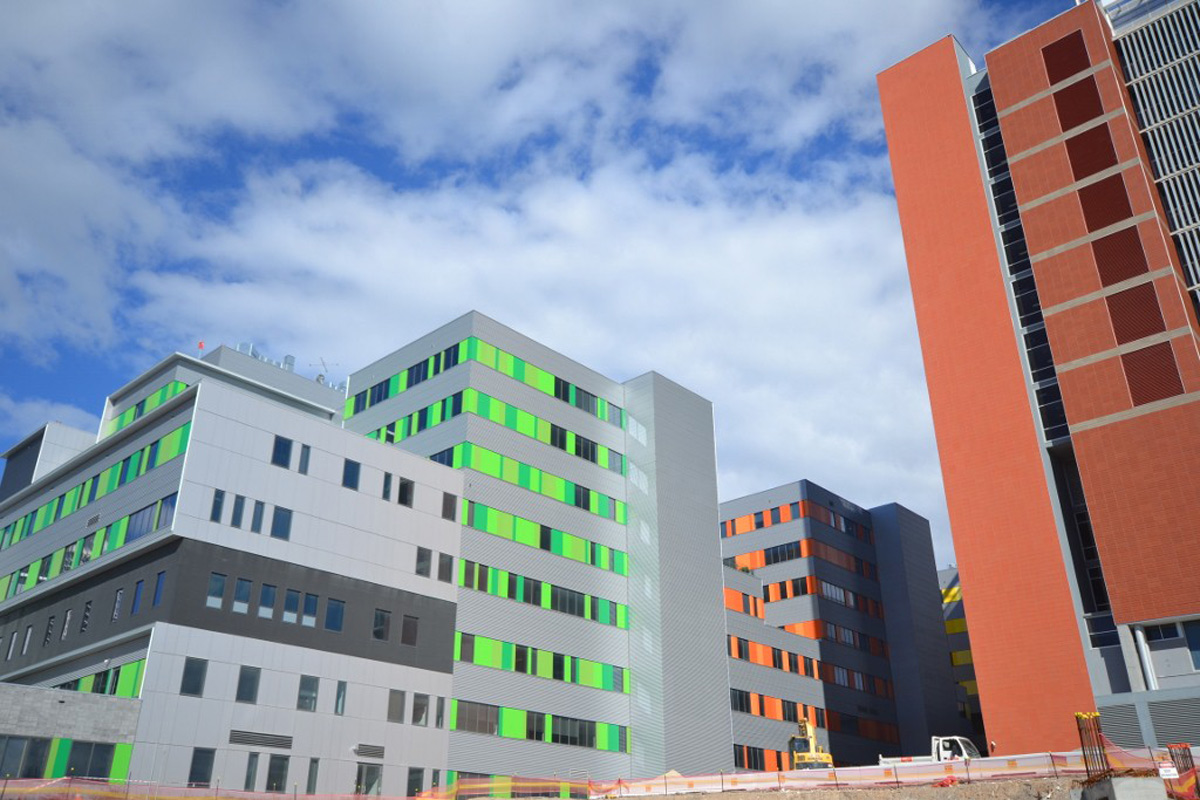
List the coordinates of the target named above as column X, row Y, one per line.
column 1061, row 350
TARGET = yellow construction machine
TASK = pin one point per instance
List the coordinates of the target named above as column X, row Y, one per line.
column 805, row 752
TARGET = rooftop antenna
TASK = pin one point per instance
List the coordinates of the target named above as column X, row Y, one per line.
column 324, row 369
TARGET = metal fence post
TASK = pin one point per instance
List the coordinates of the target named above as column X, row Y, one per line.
column 1053, row 766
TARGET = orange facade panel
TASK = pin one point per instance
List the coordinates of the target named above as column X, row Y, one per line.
column 1140, row 486
column 1080, row 331
column 1024, row 632
column 1094, row 390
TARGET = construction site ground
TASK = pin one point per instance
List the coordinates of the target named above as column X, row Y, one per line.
column 1019, row 789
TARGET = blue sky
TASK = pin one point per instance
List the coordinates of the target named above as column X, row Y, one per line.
column 696, row 188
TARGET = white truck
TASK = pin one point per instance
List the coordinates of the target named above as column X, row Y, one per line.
column 942, row 748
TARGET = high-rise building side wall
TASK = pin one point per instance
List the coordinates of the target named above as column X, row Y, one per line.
column 1120, row 324
column 990, row 447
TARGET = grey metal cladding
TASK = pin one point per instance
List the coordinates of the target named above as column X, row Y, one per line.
column 776, row 683
column 482, row 684
column 149, row 488
column 1121, row 725
column 791, row 531
column 744, row 582
column 433, row 342
column 100, row 590
column 916, row 633
column 256, row 739
column 696, row 714
column 435, row 645
column 521, row 623
column 748, row 627
column 270, row 375
column 543, row 565
column 494, row 755
column 32, row 711
column 768, row 498
column 110, row 451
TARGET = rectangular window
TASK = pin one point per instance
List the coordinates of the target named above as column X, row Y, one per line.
column 313, row 766
column 350, row 471
column 309, row 618
column 387, row 486
column 424, row 561
column 66, row 624
column 136, row 605
column 247, row 686
column 12, row 646
column 306, row 698
column 449, row 506
column 166, row 512
column 192, row 683
column 277, row 770
column 408, row 630
column 1155, row 633
column 382, row 625
column 49, row 630
column 416, row 781
column 467, row 648
column 241, row 595
column 369, row 779
column 404, row 492
column 1191, row 632
column 395, row 710
column 251, row 772
column 305, row 452
column 281, row 523
column 69, row 556
column 239, row 509
column 86, row 617
column 420, row 711
column 118, row 598
column 89, row 543
column 439, row 719
column 218, row 504
column 216, row 590
column 281, row 453
column 200, row 773
column 291, row 605
column 160, row 581
column 140, row 523
column 335, row 613
column 256, row 516
column 446, row 568
column 266, row 601
column 339, row 699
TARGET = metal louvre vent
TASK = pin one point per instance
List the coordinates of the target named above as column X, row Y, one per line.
column 369, row 751
column 1120, row 724
column 1176, row 720
column 254, row 739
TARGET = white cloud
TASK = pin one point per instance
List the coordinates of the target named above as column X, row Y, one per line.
column 21, row 417
column 602, row 221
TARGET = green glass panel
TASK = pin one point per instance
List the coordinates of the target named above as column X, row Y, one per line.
column 56, row 761
column 453, row 714
column 512, row 723
column 528, row 533
column 622, row 616
column 126, row 680
column 31, row 578
column 86, row 682
column 56, row 559
column 4, row 585
column 122, row 755
column 545, row 664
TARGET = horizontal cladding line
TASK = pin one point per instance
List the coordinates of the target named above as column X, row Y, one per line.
column 1133, row 413
column 1129, row 283
column 1091, row 237
column 1033, row 98
column 1062, row 137
column 1121, row 350
column 1071, row 188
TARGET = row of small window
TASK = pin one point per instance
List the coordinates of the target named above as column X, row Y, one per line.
column 856, row 639
column 484, row 718
column 533, row 534
column 303, row 607
column 281, row 518
column 148, row 403
column 109, row 480
column 195, row 672
column 810, row 584
column 424, row 566
column 368, row 778
column 23, row 757
column 525, row 659
column 787, row 710
column 107, row 681
column 764, row 655
column 501, row 583
column 804, row 548
column 52, row 630
column 502, row 413
column 155, row 516
column 793, row 511
column 406, row 379
column 281, row 456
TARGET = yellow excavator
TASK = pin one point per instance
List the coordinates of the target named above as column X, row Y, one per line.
column 805, row 752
